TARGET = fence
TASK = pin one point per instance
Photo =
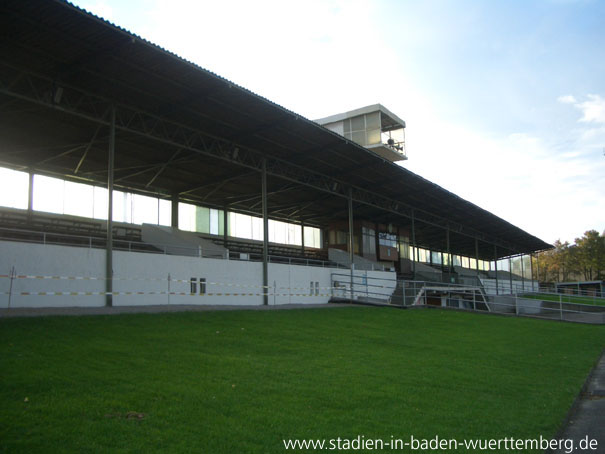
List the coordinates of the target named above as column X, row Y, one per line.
column 572, row 292
column 554, row 310
column 91, row 242
column 198, row 288
column 553, row 306
column 361, row 286
column 408, row 292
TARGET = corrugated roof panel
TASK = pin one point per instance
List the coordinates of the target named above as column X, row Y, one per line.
column 78, row 48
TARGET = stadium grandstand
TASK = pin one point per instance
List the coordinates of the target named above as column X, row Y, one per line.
column 132, row 176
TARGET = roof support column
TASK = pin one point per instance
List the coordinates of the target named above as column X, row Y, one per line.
column 265, row 234
column 225, row 227
column 531, row 264
column 522, row 273
column 477, row 260
column 496, row 268
column 109, row 246
column 351, row 253
column 30, row 194
column 510, row 274
column 449, row 255
column 413, row 248
column 302, row 237
column 174, row 211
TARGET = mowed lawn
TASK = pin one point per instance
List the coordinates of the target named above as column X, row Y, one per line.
column 242, row 381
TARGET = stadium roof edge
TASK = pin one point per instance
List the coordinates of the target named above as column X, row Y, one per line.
column 304, row 143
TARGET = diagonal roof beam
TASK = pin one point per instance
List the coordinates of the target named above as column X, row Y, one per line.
column 87, row 105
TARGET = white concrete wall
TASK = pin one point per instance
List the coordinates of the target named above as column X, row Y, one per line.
column 155, row 276
column 137, row 271
column 50, row 260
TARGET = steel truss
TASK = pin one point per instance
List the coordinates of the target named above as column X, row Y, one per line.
column 42, row 90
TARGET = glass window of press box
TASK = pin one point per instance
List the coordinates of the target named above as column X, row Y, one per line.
column 363, row 129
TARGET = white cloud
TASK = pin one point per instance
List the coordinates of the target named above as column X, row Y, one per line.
column 518, row 177
column 593, row 109
column 567, row 99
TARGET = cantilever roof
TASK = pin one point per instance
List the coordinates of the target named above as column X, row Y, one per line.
column 184, row 131
column 393, row 120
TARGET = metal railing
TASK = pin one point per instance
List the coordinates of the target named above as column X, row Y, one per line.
column 362, row 287
column 547, row 294
column 568, row 290
column 92, row 242
column 407, row 291
column 552, row 306
column 554, row 310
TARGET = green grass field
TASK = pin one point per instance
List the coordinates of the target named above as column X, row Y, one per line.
column 242, row 381
column 566, row 298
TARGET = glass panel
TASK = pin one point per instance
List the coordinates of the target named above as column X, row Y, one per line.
column 347, row 126
column 294, row 235
column 312, row 237
column 221, row 222
column 527, row 267
column 78, row 199
column 359, row 137
column 186, row 217
column 373, row 120
column 144, row 209
column 336, row 127
column 436, row 258
column 202, row 219
column 165, row 214
column 48, row 194
column 358, row 123
column 373, row 137
column 122, row 206
column 99, row 210
column 257, row 228
column 13, row 188
column 369, row 240
column 214, row 221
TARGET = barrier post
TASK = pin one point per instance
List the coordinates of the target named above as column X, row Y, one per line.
column 169, row 278
column 10, row 287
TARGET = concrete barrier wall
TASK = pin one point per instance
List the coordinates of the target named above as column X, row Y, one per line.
column 153, row 279
column 50, row 260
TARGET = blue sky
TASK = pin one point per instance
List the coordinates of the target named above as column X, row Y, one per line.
column 504, row 101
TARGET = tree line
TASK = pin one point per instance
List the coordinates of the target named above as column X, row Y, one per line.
column 584, row 260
